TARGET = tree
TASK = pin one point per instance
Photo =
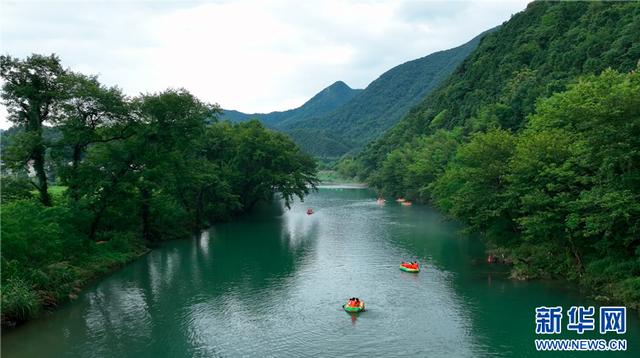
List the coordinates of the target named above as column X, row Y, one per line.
column 389, row 179
column 32, row 92
column 269, row 162
column 166, row 149
column 473, row 187
column 14, row 188
column 91, row 113
column 139, row 170
column 576, row 170
column 544, row 178
column 433, row 153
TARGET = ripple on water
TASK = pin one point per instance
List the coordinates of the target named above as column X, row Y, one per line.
column 272, row 283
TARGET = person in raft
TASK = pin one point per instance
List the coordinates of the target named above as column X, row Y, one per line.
column 354, row 302
column 413, row 264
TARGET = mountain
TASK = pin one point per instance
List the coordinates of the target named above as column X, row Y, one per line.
column 533, row 55
column 340, row 119
column 383, row 102
column 533, row 143
column 321, row 104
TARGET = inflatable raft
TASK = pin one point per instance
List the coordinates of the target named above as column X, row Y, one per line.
column 354, row 309
column 409, row 267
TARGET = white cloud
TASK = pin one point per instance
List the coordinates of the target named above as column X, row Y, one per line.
column 254, row 56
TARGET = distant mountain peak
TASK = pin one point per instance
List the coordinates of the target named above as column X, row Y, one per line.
column 324, row 102
column 339, row 84
column 339, row 118
column 379, row 106
column 336, row 94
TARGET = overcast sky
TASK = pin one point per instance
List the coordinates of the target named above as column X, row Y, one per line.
column 253, row 56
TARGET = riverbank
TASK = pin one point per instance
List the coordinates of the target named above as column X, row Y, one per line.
column 609, row 286
column 28, row 292
column 61, row 282
column 606, row 287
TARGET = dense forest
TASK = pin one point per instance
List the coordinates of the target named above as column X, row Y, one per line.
column 339, row 119
column 91, row 177
column 534, row 142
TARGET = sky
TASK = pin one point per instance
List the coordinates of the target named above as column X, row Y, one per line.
column 252, row 56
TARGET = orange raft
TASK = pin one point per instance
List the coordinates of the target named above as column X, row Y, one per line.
column 410, row 267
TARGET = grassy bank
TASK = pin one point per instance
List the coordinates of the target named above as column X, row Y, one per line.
column 24, row 298
column 49, row 260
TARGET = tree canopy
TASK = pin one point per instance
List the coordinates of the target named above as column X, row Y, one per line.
column 127, row 172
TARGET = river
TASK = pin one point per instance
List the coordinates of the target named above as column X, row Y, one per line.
column 271, row 283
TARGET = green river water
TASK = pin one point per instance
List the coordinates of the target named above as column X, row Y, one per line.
column 271, row 283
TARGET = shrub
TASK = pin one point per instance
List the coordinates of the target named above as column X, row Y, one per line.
column 19, row 301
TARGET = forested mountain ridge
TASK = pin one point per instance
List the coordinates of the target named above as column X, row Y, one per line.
column 535, row 54
column 385, row 100
column 322, row 103
column 340, row 119
column 533, row 142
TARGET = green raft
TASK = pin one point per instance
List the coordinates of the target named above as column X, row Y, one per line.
column 355, row 309
column 406, row 269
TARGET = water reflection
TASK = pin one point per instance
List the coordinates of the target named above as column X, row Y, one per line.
column 273, row 283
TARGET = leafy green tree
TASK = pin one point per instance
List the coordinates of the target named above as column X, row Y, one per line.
column 409, row 171
column 389, row 179
column 165, row 149
column 432, row 155
column 139, row 170
column 544, row 178
column 32, row 91
column 576, row 171
column 269, row 162
column 91, row 113
column 15, row 187
column 349, row 167
column 473, row 187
